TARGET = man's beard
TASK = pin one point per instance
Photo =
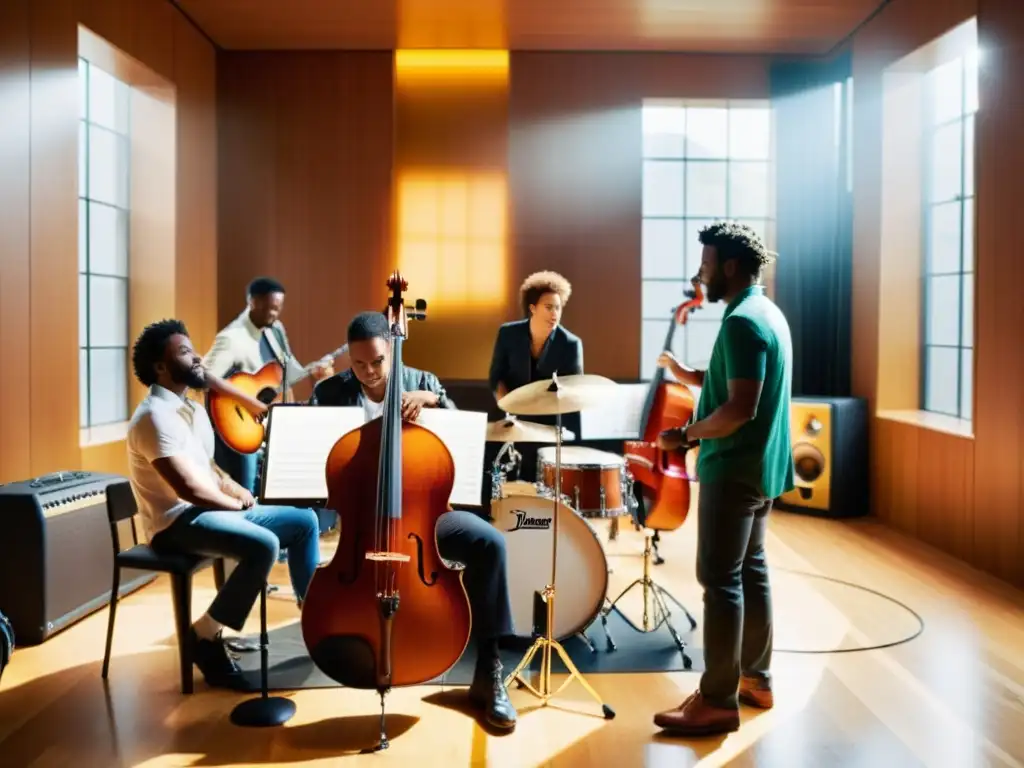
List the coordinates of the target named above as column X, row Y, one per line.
column 717, row 289
column 194, row 378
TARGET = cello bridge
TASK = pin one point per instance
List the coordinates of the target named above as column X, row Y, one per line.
column 388, row 557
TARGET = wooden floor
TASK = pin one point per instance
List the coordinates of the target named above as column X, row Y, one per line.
column 954, row 696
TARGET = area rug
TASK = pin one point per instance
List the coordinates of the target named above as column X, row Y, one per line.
column 290, row 668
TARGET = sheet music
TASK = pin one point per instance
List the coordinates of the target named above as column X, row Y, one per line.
column 619, row 417
column 301, row 437
column 465, row 434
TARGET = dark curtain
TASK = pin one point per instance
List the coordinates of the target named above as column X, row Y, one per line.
column 814, row 218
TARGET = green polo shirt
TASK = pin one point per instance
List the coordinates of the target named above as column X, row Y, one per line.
column 753, row 343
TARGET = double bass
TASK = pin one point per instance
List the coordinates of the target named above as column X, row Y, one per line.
column 669, row 405
column 388, row 610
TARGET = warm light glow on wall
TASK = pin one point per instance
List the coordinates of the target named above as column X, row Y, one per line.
column 418, row 65
column 452, row 237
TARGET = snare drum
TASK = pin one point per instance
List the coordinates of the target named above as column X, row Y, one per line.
column 597, row 482
column 526, row 521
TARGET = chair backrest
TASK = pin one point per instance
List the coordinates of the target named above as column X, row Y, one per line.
column 121, row 506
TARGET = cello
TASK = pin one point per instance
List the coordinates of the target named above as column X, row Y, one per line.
column 669, row 405
column 388, row 610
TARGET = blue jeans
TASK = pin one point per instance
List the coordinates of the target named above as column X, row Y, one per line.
column 253, row 538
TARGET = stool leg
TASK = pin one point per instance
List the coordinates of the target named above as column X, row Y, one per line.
column 114, row 589
column 181, row 590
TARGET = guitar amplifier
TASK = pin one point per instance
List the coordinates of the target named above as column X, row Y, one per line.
column 56, row 554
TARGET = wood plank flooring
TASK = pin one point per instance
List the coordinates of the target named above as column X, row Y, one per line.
column 954, row 696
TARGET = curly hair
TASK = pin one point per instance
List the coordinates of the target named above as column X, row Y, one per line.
column 733, row 240
column 150, row 347
column 539, row 283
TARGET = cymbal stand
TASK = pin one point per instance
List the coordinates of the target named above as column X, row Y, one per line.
column 546, row 643
column 655, row 596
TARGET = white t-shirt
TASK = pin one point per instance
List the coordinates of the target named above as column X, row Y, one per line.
column 165, row 425
column 371, row 409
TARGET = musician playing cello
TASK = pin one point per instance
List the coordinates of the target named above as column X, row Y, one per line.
column 461, row 536
column 745, row 461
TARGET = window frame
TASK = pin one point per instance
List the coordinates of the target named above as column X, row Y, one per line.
column 928, row 206
column 86, row 200
column 765, row 224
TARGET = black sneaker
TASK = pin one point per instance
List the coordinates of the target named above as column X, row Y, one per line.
column 488, row 692
column 212, row 659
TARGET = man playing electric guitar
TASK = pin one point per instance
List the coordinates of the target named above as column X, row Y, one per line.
column 250, row 341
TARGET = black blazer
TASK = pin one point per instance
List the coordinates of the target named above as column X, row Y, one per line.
column 510, row 363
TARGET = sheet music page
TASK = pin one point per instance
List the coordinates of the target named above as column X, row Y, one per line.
column 465, row 434
column 619, row 417
column 300, row 438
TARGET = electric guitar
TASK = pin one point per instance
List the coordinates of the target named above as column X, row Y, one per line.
column 238, row 427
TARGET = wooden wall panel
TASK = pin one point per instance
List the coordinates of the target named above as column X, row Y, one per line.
column 576, row 174
column 15, row 237
column 53, row 334
column 305, row 145
column 316, row 215
column 195, row 79
column 963, row 494
column 450, row 204
column 39, row 219
column 999, row 321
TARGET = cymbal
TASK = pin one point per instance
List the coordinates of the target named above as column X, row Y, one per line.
column 513, row 431
column 562, row 394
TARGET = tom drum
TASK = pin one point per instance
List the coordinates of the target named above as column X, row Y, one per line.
column 597, row 482
column 527, row 522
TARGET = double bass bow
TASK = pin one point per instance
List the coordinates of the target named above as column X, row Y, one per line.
column 387, row 610
column 669, row 405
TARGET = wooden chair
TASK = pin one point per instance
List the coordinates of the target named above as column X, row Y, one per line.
column 121, row 506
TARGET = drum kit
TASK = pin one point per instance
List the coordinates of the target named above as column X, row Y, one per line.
column 551, row 544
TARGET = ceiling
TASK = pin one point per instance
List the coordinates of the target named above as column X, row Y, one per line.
column 724, row 26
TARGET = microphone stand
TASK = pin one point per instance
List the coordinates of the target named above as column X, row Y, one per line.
column 265, row 711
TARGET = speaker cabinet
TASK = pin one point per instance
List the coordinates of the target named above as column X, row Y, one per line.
column 830, row 460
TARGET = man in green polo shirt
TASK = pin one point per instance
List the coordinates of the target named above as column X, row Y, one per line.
column 745, row 461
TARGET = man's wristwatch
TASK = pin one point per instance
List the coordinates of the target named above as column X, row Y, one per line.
column 684, row 438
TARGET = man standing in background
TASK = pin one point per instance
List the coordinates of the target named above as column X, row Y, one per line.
column 250, row 341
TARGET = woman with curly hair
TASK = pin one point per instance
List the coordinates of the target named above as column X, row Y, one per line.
column 536, row 347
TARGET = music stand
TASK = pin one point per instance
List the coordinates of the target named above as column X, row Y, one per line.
column 265, row 711
column 546, row 643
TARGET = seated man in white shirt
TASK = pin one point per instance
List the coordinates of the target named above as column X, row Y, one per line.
column 250, row 341
column 188, row 504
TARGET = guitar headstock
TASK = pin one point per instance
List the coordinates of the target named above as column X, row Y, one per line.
column 695, row 299
column 397, row 312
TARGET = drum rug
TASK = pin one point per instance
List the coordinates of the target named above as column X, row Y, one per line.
column 290, row 668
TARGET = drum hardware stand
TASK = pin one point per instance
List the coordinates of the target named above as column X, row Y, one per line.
column 653, row 592
column 547, row 643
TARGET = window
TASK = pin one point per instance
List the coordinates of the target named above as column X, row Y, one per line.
column 702, row 161
column 951, row 100
column 103, row 202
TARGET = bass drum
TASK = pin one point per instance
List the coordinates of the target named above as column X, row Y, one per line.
column 527, row 522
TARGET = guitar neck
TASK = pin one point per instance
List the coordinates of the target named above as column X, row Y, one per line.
column 307, row 371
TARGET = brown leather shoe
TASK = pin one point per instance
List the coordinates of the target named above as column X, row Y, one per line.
column 695, row 717
column 755, row 693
